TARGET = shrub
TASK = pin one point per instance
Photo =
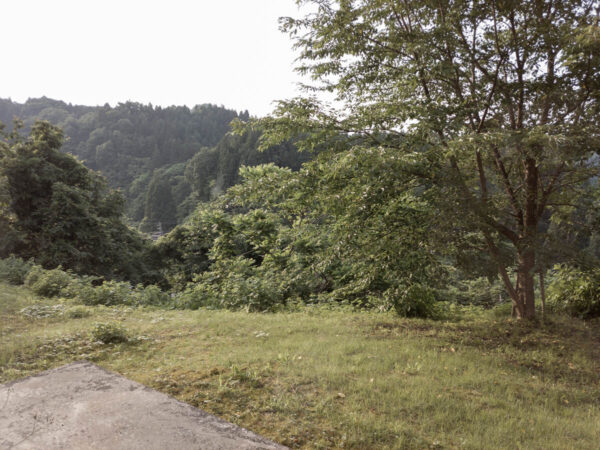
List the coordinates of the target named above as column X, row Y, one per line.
column 111, row 293
column 77, row 312
column 195, row 296
column 253, row 293
column 108, row 293
column 227, row 285
column 149, row 295
column 232, row 284
column 79, row 287
column 575, row 291
column 47, row 283
column 14, row 270
column 415, row 300
column 238, row 284
column 109, row 333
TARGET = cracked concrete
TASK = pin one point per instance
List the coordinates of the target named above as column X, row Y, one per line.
column 82, row 406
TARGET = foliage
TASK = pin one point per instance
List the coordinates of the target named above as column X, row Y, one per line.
column 109, row 333
column 377, row 230
column 47, row 283
column 109, row 293
column 282, row 236
column 414, row 300
column 80, row 286
column 234, row 284
column 77, row 312
column 464, row 290
column 150, row 295
column 14, row 270
column 85, row 289
column 61, row 213
column 130, row 138
column 575, row 291
column 184, row 251
column 212, row 171
column 164, row 160
column 491, row 107
column 160, row 208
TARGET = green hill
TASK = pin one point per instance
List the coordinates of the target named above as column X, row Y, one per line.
column 145, row 150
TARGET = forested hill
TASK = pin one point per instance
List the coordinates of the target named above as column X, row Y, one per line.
column 164, row 159
column 125, row 141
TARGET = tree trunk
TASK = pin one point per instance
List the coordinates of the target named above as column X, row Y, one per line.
column 526, row 248
column 517, row 305
column 525, row 283
column 523, row 293
column 542, row 293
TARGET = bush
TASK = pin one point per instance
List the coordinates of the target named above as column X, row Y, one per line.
column 195, row 296
column 108, row 293
column 14, row 270
column 77, row 312
column 232, row 284
column 238, row 284
column 79, row 287
column 111, row 293
column 415, row 300
column 47, row 283
column 149, row 296
column 109, row 333
column 575, row 291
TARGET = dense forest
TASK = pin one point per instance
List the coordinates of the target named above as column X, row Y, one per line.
column 164, row 160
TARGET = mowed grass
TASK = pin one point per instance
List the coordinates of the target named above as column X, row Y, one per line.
column 322, row 378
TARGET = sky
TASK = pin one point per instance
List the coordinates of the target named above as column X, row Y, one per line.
column 175, row 52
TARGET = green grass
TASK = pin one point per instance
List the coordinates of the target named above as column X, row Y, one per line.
column 321, row 378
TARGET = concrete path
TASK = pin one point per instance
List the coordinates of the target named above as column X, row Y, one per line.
column 82, row 406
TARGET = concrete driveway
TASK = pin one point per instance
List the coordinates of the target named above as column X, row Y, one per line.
column 82, row 406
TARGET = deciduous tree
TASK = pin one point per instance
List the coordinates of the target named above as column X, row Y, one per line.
column 55, row 210
column 495, row 102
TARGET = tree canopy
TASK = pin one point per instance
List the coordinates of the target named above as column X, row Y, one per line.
column 493, row 107
column 58, row 212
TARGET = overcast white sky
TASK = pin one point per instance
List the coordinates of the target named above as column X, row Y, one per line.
column 167, row 52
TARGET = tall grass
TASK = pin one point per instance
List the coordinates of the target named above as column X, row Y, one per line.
column 320, row 378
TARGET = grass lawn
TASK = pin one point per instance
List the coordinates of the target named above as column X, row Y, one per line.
column 325, row 378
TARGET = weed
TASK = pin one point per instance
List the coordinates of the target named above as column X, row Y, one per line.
column 40, row 311
column 109, row 333
column 77, row 312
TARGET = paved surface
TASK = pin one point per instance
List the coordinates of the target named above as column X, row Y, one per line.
column 81, row 406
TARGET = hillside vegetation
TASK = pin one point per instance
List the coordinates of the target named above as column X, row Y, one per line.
column 165, row 160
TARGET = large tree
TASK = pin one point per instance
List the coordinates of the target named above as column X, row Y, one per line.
column 494, row 103
column 58, row 212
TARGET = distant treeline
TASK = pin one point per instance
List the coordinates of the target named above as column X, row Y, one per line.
column 165, row 160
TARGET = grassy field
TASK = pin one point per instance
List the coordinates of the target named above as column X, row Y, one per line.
column 325, row 378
